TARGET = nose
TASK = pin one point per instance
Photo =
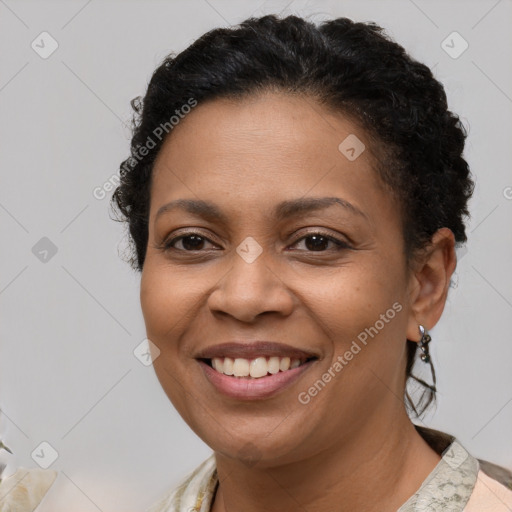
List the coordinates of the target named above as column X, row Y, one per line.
column 249, row 289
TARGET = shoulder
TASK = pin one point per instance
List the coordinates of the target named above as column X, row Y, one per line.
column 486, row 486
column 194, row 489
column 490, row 494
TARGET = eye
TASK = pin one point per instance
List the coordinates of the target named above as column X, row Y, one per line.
column 189, row 241
column 318, row 242
column 313, row 242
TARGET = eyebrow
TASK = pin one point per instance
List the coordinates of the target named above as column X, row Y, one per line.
column 283, row 210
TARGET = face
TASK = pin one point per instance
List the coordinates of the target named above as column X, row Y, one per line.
column 268, row 242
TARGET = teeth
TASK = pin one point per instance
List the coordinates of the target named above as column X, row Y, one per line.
column 254, row 368
column 241, row 367
column 273, row 365
column 284, row 363
column 228, row 366
column 218, row 364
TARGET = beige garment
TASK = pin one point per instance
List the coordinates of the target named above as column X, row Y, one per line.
column 24, row 490
column 489, row 496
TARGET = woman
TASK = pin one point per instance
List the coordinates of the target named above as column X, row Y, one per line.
column 294, row 197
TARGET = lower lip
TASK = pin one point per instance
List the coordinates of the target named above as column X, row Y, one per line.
column 244, row 388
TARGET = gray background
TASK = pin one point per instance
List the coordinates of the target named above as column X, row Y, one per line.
column 69, row 325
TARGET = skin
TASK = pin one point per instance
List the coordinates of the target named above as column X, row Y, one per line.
column 247, row 156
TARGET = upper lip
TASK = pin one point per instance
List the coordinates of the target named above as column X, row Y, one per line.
column 253, row 349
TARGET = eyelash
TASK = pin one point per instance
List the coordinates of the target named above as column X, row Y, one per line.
column 167, row 245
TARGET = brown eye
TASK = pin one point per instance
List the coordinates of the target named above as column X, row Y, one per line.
column 189, row 241
column 316, row 242
column 319, row 242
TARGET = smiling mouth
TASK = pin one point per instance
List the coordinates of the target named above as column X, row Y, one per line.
column 255, row 368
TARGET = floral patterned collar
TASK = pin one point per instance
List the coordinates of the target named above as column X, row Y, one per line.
column 450, row 484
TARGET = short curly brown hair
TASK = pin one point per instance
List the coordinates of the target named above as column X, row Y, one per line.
column 351, row 67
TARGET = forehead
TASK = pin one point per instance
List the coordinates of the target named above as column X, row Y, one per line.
column 264, row 148
column 291, row 127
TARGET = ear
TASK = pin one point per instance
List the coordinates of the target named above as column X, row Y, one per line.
column 430, row 281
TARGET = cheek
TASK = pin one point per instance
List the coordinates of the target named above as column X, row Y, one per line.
column 165, row 302
column 165, row 299
column 355, row 297
column 362, row 310
column 155, row 299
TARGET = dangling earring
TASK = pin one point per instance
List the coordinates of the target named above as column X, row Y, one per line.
column 423, row 344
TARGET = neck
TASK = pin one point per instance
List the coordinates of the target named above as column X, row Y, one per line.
column 376, row 469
